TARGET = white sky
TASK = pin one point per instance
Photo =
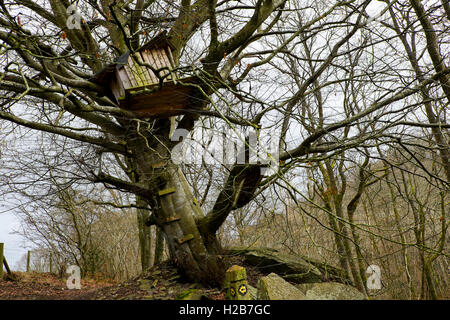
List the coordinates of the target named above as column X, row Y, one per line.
column 14, row 244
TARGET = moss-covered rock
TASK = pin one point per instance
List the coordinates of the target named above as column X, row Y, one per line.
column 191, row 294
column 273, row 287
column 253, row 292
column 330, row 291
column 269, row 260
column 293, row 268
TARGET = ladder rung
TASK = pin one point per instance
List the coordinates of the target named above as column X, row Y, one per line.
column 188, row 237
column 166, row 191
column 172, row 219
column 158, row 165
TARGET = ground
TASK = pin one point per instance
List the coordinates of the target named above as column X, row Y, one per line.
column 161, row 283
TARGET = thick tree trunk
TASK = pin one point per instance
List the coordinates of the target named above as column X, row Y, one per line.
column 194, row 253
column 174, row 210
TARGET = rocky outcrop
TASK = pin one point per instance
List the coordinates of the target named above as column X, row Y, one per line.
column 330, row 291
column 297, row 269
column 253, row 292
column 273, row 287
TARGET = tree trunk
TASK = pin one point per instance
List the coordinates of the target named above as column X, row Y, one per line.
column 194, row 253
column 159, row 245
column 348, row 251
column 145, row 235
column 174, row 209
column 431, row 290
column 338, row 242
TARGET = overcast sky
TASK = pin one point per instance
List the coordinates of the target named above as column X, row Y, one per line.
column 14, row 244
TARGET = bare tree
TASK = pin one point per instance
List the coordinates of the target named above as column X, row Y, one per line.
column 252, row 71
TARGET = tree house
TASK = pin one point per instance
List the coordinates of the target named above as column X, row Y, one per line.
column 137, row 88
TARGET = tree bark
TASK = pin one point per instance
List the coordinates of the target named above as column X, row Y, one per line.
column 174, row 209
column 432, row 46
column 159, row 245
column 194, row 253
column 145, row 235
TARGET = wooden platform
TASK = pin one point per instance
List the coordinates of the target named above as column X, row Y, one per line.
column 171, row 100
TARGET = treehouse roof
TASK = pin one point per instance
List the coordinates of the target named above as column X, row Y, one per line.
column 160, row 41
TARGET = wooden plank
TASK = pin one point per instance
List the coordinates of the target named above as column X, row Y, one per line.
column 161, row 54
column 134, row 72
column 130, row 76
column 124, row 79
column 166, row 192
column 186, row 238
column 160, row 64
column 147, row 58
column 155, row 60
column 167, row 59
column 159, row 101
column 167, row 63
column 171, row 100
column 5, row 263
column 130, row 72
column 172, row 62
column 173, row 219
column 145, row 70
column 138, row 71
column 158, row 112
column 28, row 260
column 162, row 97
column 160, row 106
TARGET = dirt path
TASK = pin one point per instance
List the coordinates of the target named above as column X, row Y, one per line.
column 44, row 286
column 161, row 284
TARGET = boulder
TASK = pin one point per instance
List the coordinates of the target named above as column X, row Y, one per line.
column 330, row 291
column 273, row 287
column 253, row 292
column 294, row 268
